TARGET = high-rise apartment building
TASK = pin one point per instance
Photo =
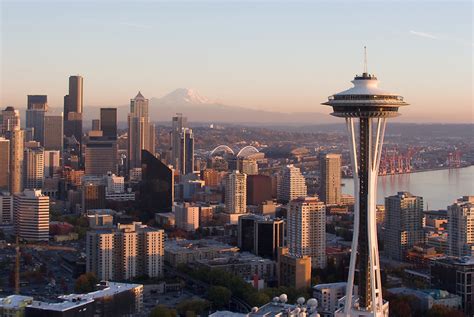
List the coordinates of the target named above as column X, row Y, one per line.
column 403, row 224
column 177, row 124
column 33, row 165
column 306, row 221
column 236, row 193
column 53, row 138
column 4, row 164
column 247, row 166
column 292, row 184
column 31, row 213
column 16, row 138
column 6, row 208
column 187, row 216
column 186, row 151
column 73, row 108
column 330, row 178
column 108, row 122
column 461, row 227
column 125, row 252
column 141, row 134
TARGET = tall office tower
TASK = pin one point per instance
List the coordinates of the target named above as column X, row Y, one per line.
column 6, row 208
column 186, row 151
column 52, row 163
column 53, row 132
column 73, row 108
column 330, row 181
column 259, row 189
column 141, row 135
column 108, row 122
column 4, row 164
column 187, row 216
column 157, row 185
column 178, row 123
column 236, row 193
column 36, row 110
column 93, row 197
column 125, row 252
column 371, row 106
column 101, row 155
column 403, row 224
column 306, row 233
column 16, row 138
column 33, row 165
column 10, row 120
column 461, row 227
column 292, row 185
column 31, row 213
column 261, row 235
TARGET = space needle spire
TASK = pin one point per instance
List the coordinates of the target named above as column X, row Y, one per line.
column 366, row 109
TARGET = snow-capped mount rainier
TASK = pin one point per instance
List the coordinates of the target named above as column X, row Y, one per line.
column 198, row 108
column 183, row 96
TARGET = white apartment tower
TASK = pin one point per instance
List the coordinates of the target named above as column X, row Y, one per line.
column 236, row 193
column 187, row 217
column 461, row 227
column 307, row 229
column 293, row 184
column 31, row 213
column 125, row 251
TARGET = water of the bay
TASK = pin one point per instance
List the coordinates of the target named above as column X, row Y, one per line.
column 438, row 188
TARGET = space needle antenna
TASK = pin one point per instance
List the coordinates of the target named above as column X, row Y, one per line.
column 365, row 60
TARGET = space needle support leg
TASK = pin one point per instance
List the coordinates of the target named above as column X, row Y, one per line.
column 355, row 172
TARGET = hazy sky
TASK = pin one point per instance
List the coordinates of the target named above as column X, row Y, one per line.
column 283, row 56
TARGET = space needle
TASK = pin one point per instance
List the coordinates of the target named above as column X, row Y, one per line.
column 372, row 107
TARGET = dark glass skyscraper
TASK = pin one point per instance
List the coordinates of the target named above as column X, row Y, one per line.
column 108, row 122
column 73, row 106
column 157, row 185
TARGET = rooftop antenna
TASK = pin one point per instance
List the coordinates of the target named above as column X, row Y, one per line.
column 365, row 59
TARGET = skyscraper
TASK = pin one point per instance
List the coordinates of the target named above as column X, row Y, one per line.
column 36, row 110
column 73, row 107
column 177, row 124
column 157, row 185
column 236, row 193
column 330, row 181
column 4, row 164
column 33, row 165
column 53, row 132
column 403, row 224
column 307, row 229
column 186, row 151
column 93, row 196
column 461, row 227
column 292, row 185
column 52, row 164
column 259, row 189
column 187, row 217
column 141, row 134
column 372, row 106
column 16, row 138
column 31, row 211
column 101, row 155
column 108, row 122
column 10, row 120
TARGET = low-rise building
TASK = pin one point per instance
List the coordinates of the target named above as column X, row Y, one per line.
column 328, row 296
column 293, row 271
column 427, row 298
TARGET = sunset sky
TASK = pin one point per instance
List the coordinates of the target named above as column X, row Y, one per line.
column 281, row 56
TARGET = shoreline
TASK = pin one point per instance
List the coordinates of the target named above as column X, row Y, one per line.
column 421, row 171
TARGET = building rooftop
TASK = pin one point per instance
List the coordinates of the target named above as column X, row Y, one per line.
column 111, row 288
column 330, row 285
column 14, row 301
column 61, row 306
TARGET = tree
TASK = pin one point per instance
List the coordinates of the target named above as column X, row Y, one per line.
column 162, row 311
column 443, row 311
column 187, row 307
column 86, row 283
column 219, row 296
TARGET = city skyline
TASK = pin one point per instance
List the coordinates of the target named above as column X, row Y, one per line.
column 261, row 64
